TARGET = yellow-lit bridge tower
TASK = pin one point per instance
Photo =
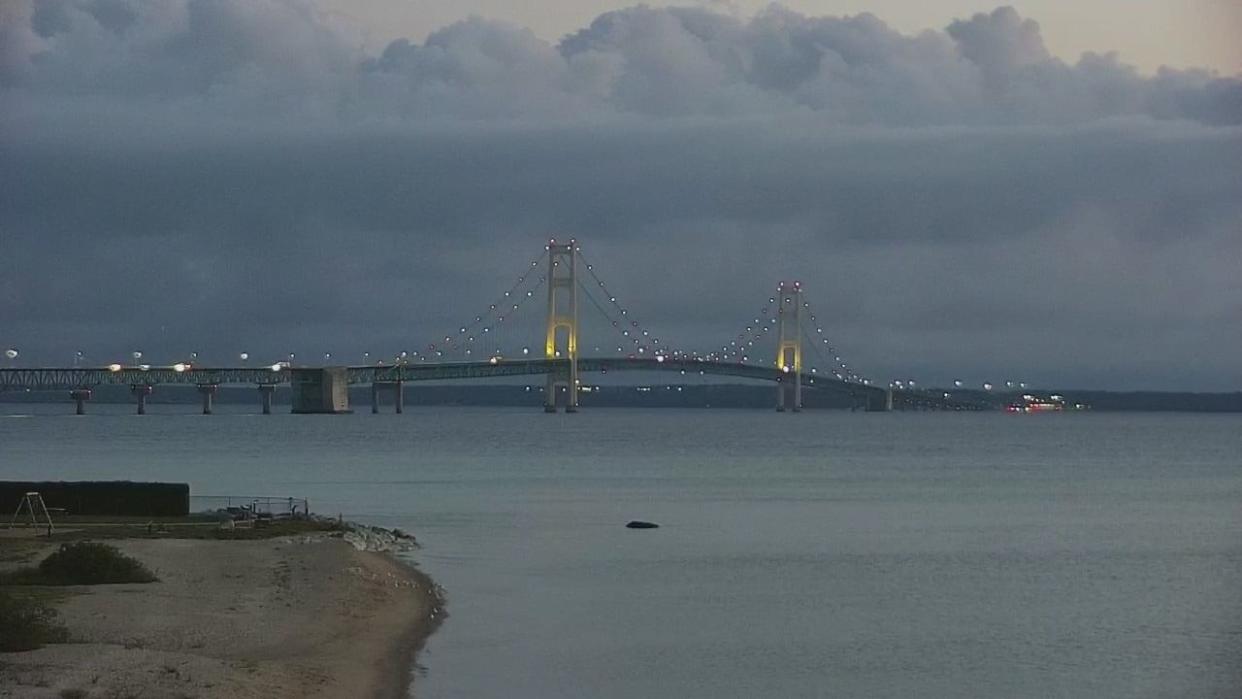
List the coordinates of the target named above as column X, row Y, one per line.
column 789, row 346
column 562, row 314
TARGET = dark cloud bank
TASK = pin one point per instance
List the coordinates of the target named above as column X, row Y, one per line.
column 224, row 175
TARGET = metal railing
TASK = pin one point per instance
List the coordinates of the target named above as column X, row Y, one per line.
column 250, row 506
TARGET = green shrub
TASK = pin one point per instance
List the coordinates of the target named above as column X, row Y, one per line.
column 27, row 625
column 83, row 563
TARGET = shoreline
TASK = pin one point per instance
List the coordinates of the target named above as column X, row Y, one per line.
column 309, row 615
column 402, row 655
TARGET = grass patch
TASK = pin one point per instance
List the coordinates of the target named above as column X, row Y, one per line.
column 16, row 551
column 193, row 527
column 274, row 528
column 27, row 624
column 82, row 563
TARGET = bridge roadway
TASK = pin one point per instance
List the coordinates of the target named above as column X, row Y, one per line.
column 72, row 379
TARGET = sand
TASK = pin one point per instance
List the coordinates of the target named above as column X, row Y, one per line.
column 294, row 617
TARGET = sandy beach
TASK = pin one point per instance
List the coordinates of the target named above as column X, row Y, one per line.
column 307, row 616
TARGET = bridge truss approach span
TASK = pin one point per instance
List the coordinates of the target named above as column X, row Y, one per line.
column 77, row 379
column 70, row 379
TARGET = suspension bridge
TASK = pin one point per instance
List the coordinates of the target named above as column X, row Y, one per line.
column 784, row 343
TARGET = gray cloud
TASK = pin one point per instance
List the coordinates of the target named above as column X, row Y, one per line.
column 283, row 59
column 219, row 175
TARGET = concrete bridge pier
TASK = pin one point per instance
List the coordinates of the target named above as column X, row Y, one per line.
column 80, row 396
column 323, row 390
column 880, row 402
column 549, row 399
column 208, row 392
column 398, row 395
column 783, row 390
column 554, row 389
column 141, row 391
column 265, row 397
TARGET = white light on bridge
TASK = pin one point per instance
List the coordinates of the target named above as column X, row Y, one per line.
column 10, row 353
column 244, row 356
column 136, row 356
column 144, row 367
column 660, row 358
column 114, row 367
column 275, row 367
column 179, row 367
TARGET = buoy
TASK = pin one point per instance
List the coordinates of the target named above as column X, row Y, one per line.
column 639, row 524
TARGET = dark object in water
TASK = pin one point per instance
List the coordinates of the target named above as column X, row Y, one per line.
column 639, row 524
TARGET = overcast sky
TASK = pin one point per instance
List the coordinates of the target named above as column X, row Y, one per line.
column 964, row 193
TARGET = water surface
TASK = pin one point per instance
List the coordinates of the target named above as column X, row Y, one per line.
column 818, row 554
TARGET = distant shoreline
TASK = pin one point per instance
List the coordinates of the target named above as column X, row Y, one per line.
column 661, row 395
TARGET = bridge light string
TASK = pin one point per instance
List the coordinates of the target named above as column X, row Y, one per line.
column 740, row 347
column 481, row 334
column 622, row 324
column 631, row 330
column 822, row 347
column 743, row 344
column 630, row 334
column 495, row 313
column 498, row 338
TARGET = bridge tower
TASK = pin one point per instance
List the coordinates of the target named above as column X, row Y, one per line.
column 562, row 314
column 789, row 346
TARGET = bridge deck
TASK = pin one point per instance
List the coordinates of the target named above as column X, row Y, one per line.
column 50, row 379
column 43, row 379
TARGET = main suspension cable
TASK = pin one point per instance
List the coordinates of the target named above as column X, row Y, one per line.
column 642, row 332
column 495, row 311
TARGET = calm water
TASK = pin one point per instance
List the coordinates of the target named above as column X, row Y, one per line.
column 821, row 554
